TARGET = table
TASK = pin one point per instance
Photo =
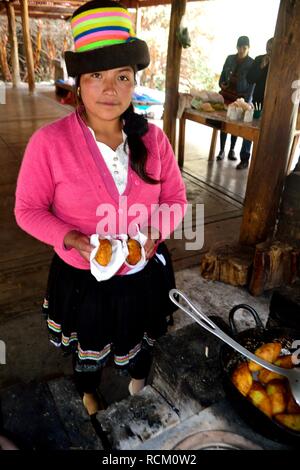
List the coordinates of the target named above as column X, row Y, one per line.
column 219, row 122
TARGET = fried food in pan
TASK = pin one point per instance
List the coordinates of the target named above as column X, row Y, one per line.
column 277, row 392
column 104, row 252
column 291, row 421
column 285, row 361
column 259, row 397
column 265, row 376
column 292, row 406
column 268, row 351
column 135, row 252
column 242, row 378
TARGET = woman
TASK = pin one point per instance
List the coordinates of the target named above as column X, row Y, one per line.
column 96, row 171
column 234, row 84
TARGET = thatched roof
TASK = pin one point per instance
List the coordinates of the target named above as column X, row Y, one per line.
column 60, row 9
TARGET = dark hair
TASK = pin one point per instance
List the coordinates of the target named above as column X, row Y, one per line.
column 135, row 126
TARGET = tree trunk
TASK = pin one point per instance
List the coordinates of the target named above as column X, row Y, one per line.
column 27, row 44
column 173, row 71
column 277, row 128
column 275, row 264
column 13, row 43
column 3, row 59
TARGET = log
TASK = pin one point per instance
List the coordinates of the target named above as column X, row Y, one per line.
column 230, row 264
column 13, row 43
column 27, row 45
column 173, row 71
column 268, row 171
column 275, row 264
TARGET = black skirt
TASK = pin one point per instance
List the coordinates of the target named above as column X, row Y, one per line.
column 121, row 316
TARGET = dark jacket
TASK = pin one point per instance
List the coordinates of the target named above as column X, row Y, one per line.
column 232, row 67
column 258, row 77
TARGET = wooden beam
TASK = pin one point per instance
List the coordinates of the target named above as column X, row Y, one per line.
column 27, row 45
column 13, row 43
column 266, row 182
column 173, row 71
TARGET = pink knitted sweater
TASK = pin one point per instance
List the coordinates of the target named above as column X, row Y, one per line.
column 64, row 184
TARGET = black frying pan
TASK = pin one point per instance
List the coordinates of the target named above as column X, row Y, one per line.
column 251, row 339
column 246, row 342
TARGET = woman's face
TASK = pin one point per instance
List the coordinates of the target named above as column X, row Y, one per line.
column 107, row 94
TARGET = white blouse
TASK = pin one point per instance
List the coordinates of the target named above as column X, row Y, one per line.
column 116, row 161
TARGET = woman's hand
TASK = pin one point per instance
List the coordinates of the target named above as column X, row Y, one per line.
column 80, row 242
column 153, row 235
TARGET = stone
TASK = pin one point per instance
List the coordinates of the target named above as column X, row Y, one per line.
column 47, row 416
column 30, row 416
column 186, row 370
column 130, row 422
column 74, row 417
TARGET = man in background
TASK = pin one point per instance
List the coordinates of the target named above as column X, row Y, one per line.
column 234, row 84
column 257, row 76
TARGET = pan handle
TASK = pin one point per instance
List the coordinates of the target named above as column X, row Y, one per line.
column 250, row 309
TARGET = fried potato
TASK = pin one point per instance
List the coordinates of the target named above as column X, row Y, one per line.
column 259, row 397
column 276, row 389
column 292, row 406
column 104, row 252
column 242, row 378
column 291, row 421
column 135, row 253
column 268, row 351
column 265, row 376
column 285, row 361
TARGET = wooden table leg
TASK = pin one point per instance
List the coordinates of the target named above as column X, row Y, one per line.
column 181, row 142
column 213, row 143
column 293, row 150
column 253, row 157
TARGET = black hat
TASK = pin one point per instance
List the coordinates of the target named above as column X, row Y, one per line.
column 104, row 39
column 243, row 41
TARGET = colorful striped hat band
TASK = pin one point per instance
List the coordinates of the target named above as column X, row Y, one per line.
column 100, row 27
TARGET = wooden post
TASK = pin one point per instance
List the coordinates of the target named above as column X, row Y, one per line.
column 3, row 59
column 173, row 71
column 13, row 43
column 138, row 20
column 266, row 181
column 27, row 44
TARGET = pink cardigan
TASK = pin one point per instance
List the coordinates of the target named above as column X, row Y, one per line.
column 64, row 182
